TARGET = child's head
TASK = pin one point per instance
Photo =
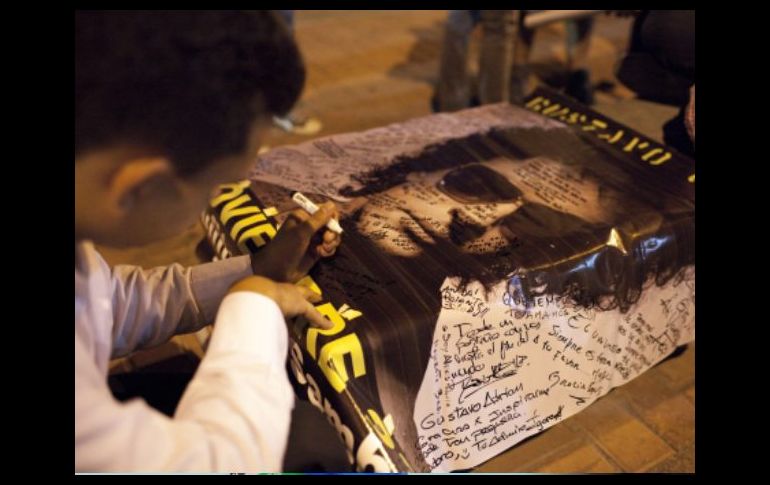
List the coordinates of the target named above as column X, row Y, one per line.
column 167, row 105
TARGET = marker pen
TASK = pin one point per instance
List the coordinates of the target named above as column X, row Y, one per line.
column 311, row 208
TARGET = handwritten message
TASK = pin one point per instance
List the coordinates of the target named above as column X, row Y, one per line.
column 326, row 165
column 499, row 373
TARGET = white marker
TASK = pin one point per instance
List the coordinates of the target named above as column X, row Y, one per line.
column 311, row 208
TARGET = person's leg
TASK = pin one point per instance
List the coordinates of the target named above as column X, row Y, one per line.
column 578, row 42
column 453, row 86
column 522, row 79
column 288, row 17
column 296, row 121
column 660, row 63
column 669, row 35
column 675, row 134
column 578, row 45
column 660, row 66
column 496, row 58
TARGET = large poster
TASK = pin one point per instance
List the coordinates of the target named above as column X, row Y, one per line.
column 501, row 269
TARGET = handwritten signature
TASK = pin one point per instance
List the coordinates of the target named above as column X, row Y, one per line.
column 471, row 385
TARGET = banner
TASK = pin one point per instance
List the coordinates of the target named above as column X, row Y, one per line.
column 500, row 270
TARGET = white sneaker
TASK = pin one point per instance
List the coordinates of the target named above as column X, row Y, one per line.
column 297, row 123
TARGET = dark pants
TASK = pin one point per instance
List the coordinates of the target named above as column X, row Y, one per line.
column 313, row 444
column 660, row 64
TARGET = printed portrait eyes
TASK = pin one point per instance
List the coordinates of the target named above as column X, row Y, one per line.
column 478, row 184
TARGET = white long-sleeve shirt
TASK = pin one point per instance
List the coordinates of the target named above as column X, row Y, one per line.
column 234, row 415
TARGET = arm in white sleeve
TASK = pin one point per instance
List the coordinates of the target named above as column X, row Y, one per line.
column 151, row 306
column 233, row 417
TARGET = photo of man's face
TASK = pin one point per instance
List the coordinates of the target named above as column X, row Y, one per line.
column 471, row 205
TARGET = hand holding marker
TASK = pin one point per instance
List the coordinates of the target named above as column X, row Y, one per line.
column 311, row 208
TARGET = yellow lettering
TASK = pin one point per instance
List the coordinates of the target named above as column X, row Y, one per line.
column 534, row 104
column 308, row 282
column 256, row 234
column 229, row 210
column 332, row 360
column 551, row 109
column 383, row 428
column 633, row 144
column 243, row 223
column 327, row 310
column 229, row 192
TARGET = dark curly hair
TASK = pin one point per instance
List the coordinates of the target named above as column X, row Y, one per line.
column 188, row 83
